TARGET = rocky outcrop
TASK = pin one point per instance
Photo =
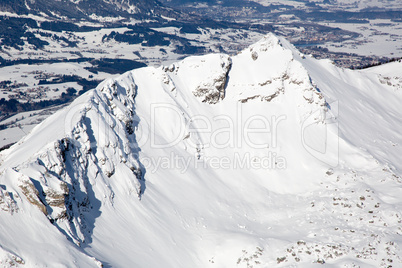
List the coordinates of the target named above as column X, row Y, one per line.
column 7, row 202
column 96, row 144
column 8, row 259
column 213, row 90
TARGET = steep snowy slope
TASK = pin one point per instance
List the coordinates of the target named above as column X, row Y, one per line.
column 266, row 158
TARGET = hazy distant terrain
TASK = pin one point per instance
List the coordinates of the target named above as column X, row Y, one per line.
column 352, row 33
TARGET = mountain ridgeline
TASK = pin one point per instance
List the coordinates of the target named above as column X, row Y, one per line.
column 265, row 158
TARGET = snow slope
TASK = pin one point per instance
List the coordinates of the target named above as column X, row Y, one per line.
column 266, row 158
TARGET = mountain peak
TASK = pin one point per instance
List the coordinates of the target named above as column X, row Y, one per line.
column 267, row 42
column 204, row 162
column 100, row 137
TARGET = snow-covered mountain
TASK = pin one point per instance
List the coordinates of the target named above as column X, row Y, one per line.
column 265, row 158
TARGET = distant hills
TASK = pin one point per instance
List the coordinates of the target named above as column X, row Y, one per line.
column 82, row 9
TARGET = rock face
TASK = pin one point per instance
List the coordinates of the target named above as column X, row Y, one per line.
column 213, row 91
column 7, row 202
column 213, row 160
column 8, row 259
column 61, row 176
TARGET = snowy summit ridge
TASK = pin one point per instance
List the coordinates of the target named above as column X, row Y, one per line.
column 214, row 161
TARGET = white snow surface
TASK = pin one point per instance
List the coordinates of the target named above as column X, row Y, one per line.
column 268, row 158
